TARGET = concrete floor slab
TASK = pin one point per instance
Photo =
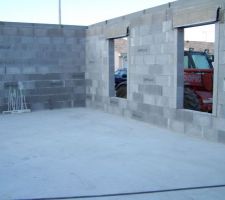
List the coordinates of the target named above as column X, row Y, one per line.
column 70, row 152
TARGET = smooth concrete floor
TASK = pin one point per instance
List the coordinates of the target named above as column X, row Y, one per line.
column 71, row 152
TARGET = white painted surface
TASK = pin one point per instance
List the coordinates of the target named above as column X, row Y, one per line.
column 82, row 152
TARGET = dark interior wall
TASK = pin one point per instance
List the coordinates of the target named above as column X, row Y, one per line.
column 47, row 60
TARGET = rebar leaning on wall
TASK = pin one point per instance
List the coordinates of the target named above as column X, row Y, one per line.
column 16, row 99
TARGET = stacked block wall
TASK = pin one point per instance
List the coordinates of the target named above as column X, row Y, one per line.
column 49, row 61
column 155, row 80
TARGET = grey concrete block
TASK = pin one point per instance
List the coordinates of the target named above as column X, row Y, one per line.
column 155, row 69
column 149, row 59
column 2, row 70
column 164, row 60
column 221, row 110
column 170, row 36
column 194, row 130
column 39, row 106
column 53, row 83
column 177, row 126
column 98, row 98
column 222, row 57
column 69, row 83
column 55, row 32
column 139, row 59
column 185, row 115
column 13, row 70
column 138, row 97
column 167, row 26
column 43, row 40
column 137, row 115
column 26, row 31
column 10, row 31
column 151, row 89
column 219, row 123
column 168, row 91
column 114, row 101
column 203, row 119
column 221, row 136
column 40, row 32
column 157, row 120
column 210, row 134
column 28, row 40
column 149, row 99
column 29, row 70
column 163, row 80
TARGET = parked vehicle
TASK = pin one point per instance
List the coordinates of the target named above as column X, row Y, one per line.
column 121, row 82
column 198, row 81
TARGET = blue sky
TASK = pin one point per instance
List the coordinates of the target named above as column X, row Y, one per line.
column 79, row 12
column 84, row 12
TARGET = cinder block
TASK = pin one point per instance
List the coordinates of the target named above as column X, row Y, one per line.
column 43, row 69
column 219, row 123
column 10, row 31
column 210, row 134
column 26, row 31
column 137, row 115
column 176, row 125
column 28, row 40
column 167, row 48
column 221, row 111
column 114, row 101
column 28, row 85
column 170, row 36
column 164, row 60
column 155, row 69
column 133, row 88
column 163, row 80
column 139, row 59
column 149, row 99
column 149, row 59
column 221, row 136
column 168, row 91
column 222, row 57
column 2, row 70
column 38, row 106
column 167, row 26
column 138, row 97
column 55, row 32
column 3, row 108
column 186, row 116
column 169, row 113
column 144, row 30
column 40, row 32
column 157, row 120
column 29, row 70
column 162, row 101
column 135, row 32
column 202, row 119
column 13, row 70
column 194, row 130
column 155, row 49
column 43, row 40
column 156, row 110
column 159, row 38
column 123, row 104
column 146, row 40
column 151, row 89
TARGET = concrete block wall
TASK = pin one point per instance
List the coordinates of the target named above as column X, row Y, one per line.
column 67, row 66
column 155, row 80
column 49, row 61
